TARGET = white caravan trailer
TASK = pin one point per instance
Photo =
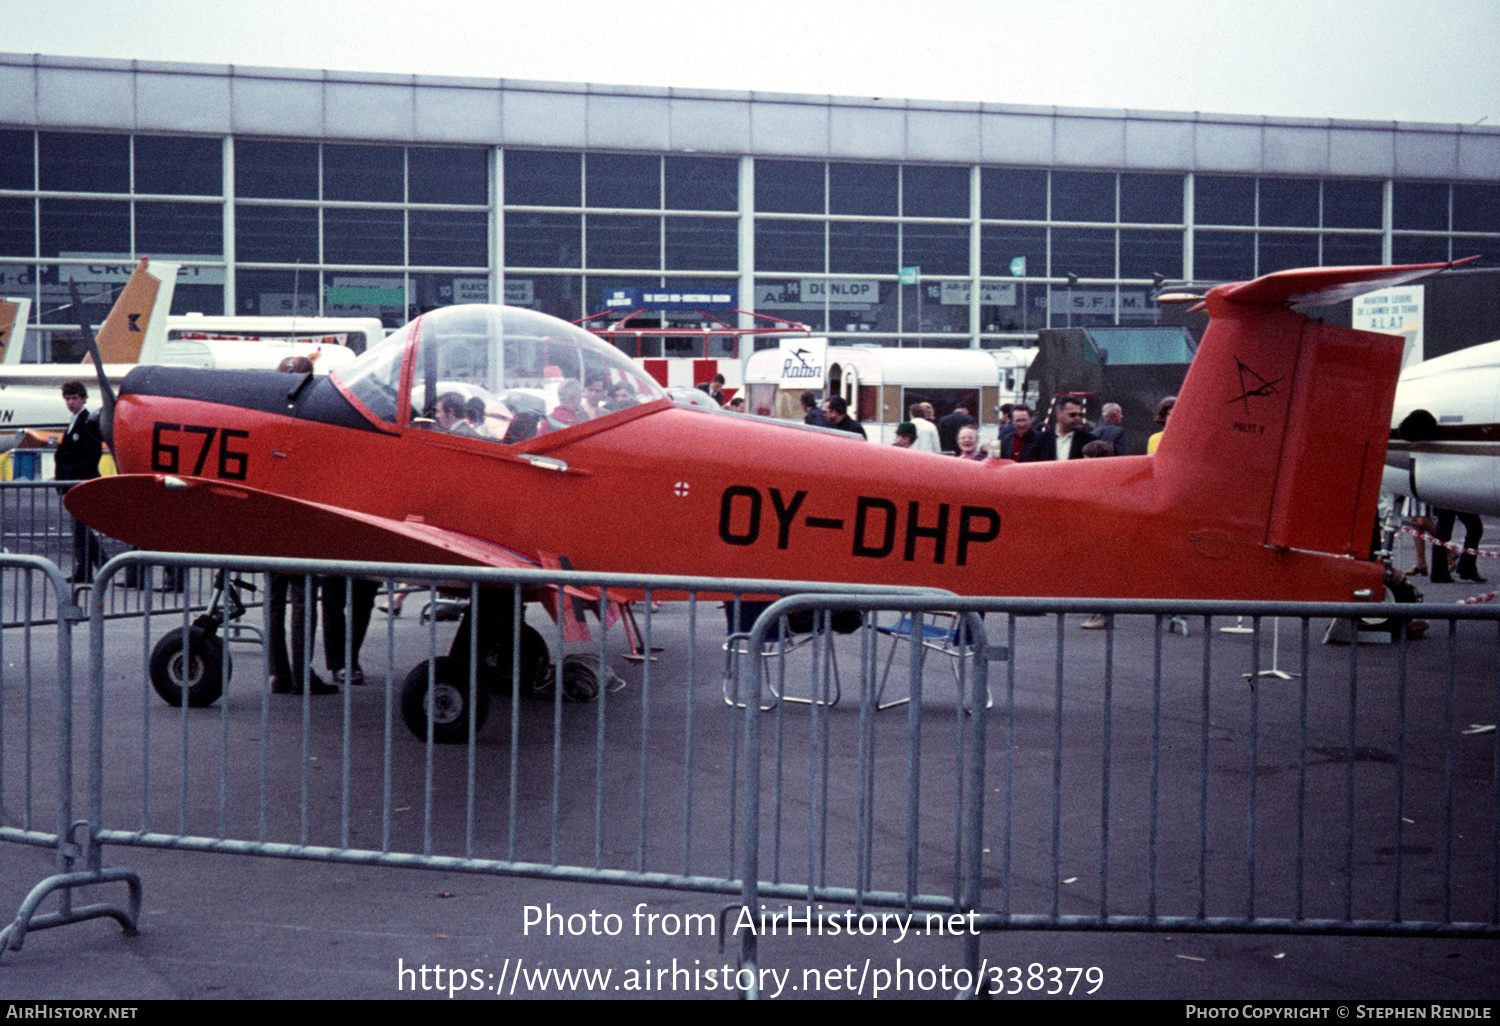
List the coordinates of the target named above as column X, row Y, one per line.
column 881, row 383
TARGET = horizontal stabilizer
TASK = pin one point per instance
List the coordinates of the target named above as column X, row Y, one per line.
column 1322, row 286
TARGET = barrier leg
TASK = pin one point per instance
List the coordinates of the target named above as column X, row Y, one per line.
column 27, row 918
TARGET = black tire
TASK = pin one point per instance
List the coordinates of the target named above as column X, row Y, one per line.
column 204, row 674
column 535, row 663
column 449, row 702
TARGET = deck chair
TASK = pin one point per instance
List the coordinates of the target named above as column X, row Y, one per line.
column 937, row 632
column 803, row 630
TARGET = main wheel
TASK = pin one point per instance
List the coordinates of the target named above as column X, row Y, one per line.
column 534, row 663
column 1394, row 626
column 201, row 669
column 445, row 705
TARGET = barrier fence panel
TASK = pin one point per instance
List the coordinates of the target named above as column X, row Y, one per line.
column 632, row 775
column 1263, row 782
column 36, row 777
column 1191, row 767
column 903, row 792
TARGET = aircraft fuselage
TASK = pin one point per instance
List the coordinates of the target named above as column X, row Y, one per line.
column 667, row 490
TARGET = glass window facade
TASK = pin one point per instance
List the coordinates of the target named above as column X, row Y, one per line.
column 1352, row 204
column 1083, row 196
column 935, row 191
column 623, row 180
column 790, row 187
column 863, row 189
column 998, row 251
column 1151, row 199
column 1289, row 202
column 436, row 175
column 178, row 166
column 275, row 170
column 1249, row 226
column 1013, row 194
column 701, row 183
column 543, row 178
column 17, row 159
column 784, row 245
column 80, row 162
column 1219, row 199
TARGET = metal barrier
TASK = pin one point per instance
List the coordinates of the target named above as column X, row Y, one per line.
column 31, row 687
column 1206, row 788
column 231, row 769
column 1003, row 766
column 1263, row 788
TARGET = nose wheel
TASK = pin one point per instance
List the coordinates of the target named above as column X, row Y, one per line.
column 442, row 702
column 197, row 667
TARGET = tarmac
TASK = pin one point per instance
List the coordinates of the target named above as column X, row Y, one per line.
column 231, row 926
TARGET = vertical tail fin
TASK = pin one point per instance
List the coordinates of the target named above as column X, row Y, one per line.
column 136, row 329
column 14, row 314
column 1281, row 425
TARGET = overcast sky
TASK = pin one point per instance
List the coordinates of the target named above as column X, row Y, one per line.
column 1438, row 60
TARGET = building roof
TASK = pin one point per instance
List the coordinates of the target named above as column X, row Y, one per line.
column 75, row 93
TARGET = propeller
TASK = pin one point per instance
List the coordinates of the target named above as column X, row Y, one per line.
column 107, row 407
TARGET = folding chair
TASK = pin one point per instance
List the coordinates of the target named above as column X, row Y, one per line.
column 940, row 632
column 774, row 647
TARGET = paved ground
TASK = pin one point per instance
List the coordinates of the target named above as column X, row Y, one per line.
column 220, row 925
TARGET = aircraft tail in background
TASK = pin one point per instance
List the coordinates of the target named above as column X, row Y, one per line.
column 136, row 329
column 14, row 314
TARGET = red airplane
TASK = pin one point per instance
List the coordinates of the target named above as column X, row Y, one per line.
column 1264, row 487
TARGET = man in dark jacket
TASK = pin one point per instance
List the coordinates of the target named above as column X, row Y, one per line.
column 1021, row 441
column 811, row 413
column 949, row 426
column 1066, row 438
column 77, row 459
column 836, row 408
column 1111, row 427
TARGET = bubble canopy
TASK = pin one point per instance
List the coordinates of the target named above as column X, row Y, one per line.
column 516, row 374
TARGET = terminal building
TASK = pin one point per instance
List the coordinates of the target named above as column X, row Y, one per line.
column 885, row 221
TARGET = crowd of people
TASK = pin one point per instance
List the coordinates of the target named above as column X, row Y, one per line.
column 577, row 401
column 1020, row 437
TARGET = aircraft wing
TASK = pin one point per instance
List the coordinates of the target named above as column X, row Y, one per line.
column 1322, row 286
column 30, row 397
column 52, row 376
column 150, row 510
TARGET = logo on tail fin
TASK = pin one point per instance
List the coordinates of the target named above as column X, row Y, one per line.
column 1249, row 390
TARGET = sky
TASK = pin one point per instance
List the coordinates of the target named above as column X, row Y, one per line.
column 1378, row 60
